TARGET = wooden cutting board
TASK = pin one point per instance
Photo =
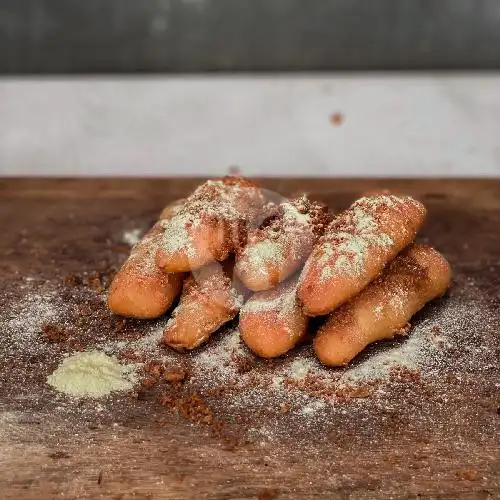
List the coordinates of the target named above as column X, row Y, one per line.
column 435, row 439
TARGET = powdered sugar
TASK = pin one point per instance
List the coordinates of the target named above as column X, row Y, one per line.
column 148, row 343
column 312, row 407
column 296, row 212
column 300, row 367
column 215, row 360
column 282, row 299
column 224, row 203
column 277, row 249
column 23, row 321
column 378, row 310
column 262, row 254
column 143, row 255
column 298, row 384
column 423, row 351
column 132, row 236
column 354, row 233
column 176, row 236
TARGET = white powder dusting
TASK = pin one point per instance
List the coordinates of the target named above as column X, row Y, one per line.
column 292, row 215
column 176, row 237
column 353, row 233
column 23, row 321
column 378, row 310
column 148, row 344
column 277, row 249
column 132, row 236
column 283, row 298
column 381, row 200
column 313, row 407
column 424, row 350
column 258, row 256
column 143, row 256
column 213, row 201
column 410, row 354
column 300, row 367
column 8, row 421
column 215, row 360
column 276, row 381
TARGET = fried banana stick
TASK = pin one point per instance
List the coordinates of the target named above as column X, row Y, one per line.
column 210, row 225
column 275, row 251
column 141, row 289
column 209, row 299
column 272, row 322
column 381, row 311
column 170, row 210
column 355, row 248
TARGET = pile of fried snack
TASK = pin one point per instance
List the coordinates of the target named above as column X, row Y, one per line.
column 226, row 250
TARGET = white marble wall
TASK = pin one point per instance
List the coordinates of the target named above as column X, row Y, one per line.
column 415, row 125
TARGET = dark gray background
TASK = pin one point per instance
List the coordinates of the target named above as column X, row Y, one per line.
column 59, row 36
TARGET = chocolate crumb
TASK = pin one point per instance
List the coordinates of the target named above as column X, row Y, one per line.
column 234, row 170
column 149, row 382
column 95, row 282
column 192, row 407
column 175, row 374
column 244, row 364
column 336, row 119
column 466, row 474
column 155, row 369
column 285, row 408
column 72, row 280
column 267, row 494
column 436, row 329
column 54, row 333
column 57, row 455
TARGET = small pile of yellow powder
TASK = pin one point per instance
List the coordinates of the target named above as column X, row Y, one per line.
column 92, row 374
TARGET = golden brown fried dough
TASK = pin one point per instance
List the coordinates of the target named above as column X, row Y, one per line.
column 275, row 251
column 384, row 307
column 141, row 289
column 272, row 322
column 170, row 210
column 210, row 225
column 209, row 299
column 355, row 248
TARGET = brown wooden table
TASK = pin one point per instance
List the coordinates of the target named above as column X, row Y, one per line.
column 445, row 446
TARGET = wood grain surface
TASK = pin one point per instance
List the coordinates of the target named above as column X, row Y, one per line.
column 53, row 228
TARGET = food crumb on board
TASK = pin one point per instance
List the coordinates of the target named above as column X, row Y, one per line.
column 336, row 119
column 222, row 385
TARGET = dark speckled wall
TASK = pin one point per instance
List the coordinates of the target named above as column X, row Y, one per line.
column 247, row 35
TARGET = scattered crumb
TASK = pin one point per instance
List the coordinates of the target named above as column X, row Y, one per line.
column 234, row 170
column 223, row 386
column 54, row 333
column 336, row 119
column 175, row 374
column 267, row 494
column 466, row 474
